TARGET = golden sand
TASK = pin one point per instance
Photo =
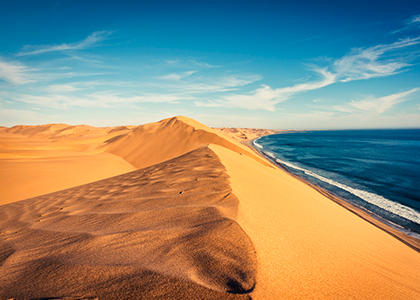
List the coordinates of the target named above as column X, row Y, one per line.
column 180, row 211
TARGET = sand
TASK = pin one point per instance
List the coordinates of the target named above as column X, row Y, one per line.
column 184, row 212
column 248, row 134
column 35, row 160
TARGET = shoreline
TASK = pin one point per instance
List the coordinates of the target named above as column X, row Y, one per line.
column 366, row 215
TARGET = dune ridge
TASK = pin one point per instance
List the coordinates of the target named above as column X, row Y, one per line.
column 154, row 142
column 174, row 221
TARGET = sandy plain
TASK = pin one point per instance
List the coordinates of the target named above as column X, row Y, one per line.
column 177, row 210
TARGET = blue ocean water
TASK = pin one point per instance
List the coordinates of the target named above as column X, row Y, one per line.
column 378, row 170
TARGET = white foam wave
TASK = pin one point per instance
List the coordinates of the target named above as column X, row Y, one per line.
column 388, row 205
column 269, row 154
column 258, row 145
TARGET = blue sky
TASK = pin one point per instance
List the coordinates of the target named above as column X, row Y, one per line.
column 283, row 65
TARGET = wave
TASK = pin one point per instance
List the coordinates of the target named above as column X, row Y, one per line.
column 256, row 144
column 269, row 154
column 377, row 200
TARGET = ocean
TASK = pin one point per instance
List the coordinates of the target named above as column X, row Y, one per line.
column 376, row 170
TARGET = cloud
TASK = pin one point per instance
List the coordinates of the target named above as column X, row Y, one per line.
column 415, row 19
column 367, row 63
column 376, row 105
column 343, row 109
column 177, row 76
column 266, row 98
column 107, row 100
column 204, row 64
column 103, row 100
column 207, row 85
column 61, row 88
column 13, row 72
column 190, row 63
column 11, row 117
column 88, row 42
column 359, row 64
column 383, row 104
column 412, row 23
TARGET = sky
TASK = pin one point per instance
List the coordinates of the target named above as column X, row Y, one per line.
column 265, row 64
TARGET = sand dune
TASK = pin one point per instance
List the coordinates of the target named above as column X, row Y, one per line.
column 246, row 134
column 25, row 178
column 35, row 160
column 170, row 225
column 156, row 142
column 196, row 215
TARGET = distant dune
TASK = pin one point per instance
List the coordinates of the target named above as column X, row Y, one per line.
column 246, row 134
column 35, row 160
column 177, row 210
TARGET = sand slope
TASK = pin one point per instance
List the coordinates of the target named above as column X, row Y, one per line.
column 163, row 232
column 309, row 247
column 35, row 160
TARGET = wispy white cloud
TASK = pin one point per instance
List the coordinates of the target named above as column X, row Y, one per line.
column 373, row 105
column 89, row 60
column 104, row 100
column 412, row 23
column 190, row 63
column 61, row 88
column 382, row 104
column 172, row 61
column 207, row 84
column 108, row 100
column 359, row 64
column 14, row 72
column 368, row 63
column 177, row 76
column 88, row 42
column 415, row 19
column 51, row 76
column 204, row 64
column 342, row 108
column 266, row 98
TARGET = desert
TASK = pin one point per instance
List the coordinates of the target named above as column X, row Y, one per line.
column 178, row 210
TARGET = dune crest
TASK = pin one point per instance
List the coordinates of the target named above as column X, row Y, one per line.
column 156, row 142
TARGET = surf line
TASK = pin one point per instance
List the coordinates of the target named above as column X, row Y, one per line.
column 374, row 199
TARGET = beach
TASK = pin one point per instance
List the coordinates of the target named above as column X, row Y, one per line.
column 178, row 210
